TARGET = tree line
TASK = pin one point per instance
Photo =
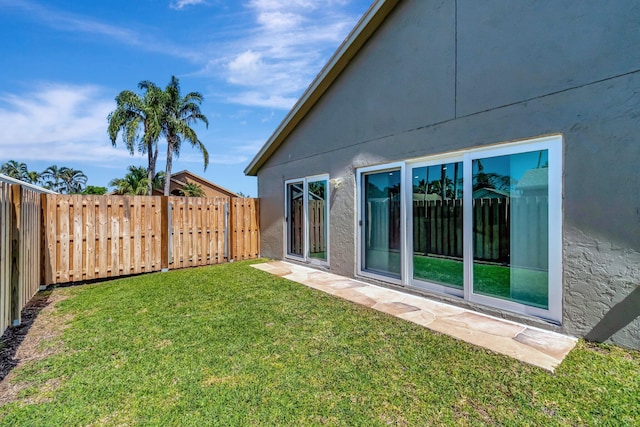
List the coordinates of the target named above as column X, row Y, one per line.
column 141, row 120
column 136, row 182
column 55, row 178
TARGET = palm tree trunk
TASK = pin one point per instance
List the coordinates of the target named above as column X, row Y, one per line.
column 167, row 173
column 151, row 170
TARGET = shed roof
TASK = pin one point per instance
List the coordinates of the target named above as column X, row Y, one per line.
column 367, row 25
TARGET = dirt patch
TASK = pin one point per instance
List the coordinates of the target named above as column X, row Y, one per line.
column 36, row 338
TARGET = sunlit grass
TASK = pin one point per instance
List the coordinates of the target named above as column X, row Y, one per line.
column 231, row 345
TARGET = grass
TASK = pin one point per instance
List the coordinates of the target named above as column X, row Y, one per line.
column 230, row 345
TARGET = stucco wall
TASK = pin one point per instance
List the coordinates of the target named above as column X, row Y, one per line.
column 441, row 76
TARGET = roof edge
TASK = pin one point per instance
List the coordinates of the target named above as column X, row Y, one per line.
column 36, row 188
column 212, row 184
column 351, row 45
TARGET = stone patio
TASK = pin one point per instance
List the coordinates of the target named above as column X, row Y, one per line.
column 528, row 344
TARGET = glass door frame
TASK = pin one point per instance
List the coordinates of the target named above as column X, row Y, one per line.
column 553, row 145
column 305, row 204
column 408, row 180
column 360, row 220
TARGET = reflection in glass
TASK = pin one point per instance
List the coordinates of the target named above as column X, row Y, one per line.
column 295, row 218
column 318, row 204
column 382, row 223
column 510, row 228
column 437, row 224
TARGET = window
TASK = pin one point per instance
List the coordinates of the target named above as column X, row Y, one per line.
column 381, row 225
column 307, row 219
column 483, row 224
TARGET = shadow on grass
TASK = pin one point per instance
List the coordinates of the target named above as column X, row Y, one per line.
column 15, row 335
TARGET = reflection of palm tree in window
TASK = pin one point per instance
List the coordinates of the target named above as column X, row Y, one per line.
column 482, row 179
column 317, row 190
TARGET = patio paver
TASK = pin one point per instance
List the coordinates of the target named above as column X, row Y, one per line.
column 531, row 345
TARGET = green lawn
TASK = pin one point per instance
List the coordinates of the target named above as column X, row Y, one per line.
column 230, row 345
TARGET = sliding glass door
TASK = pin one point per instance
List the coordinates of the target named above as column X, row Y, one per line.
column 482, row 224
column 381, row 223
column 437, row 225
column 307, row 219
column 511, row 232
column 318, row 214
column 294, row 219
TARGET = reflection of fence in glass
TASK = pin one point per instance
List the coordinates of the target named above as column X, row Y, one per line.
column 437, row 229
column 317, row 232
column 296, row 226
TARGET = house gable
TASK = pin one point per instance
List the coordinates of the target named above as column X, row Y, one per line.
column 432, row 83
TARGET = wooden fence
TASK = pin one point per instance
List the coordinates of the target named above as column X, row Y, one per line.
column 92, row 237
column 244, row 229
column 20, row 255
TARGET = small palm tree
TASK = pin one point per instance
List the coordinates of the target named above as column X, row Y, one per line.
column 180, row 114
column 52, row 177
column 135, row 182
column 15, row 170
column 191, row 189
column 32, row 177
column 73, row 180
column 133, row 112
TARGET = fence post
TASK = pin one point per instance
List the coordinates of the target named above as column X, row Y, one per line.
column 170, row 232
column 227, row 255
column 15, row 254
column 44, row 250
column 164, row 233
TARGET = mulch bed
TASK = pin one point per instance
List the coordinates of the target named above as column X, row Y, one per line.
column 14, row 336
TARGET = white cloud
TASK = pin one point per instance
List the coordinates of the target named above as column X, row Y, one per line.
column 291, row 41
column 263, row 99
column 57, row 122
column 179, row 4
column 69, row 22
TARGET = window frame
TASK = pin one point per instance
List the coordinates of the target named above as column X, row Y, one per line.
column 553, row 143
column 359, row 223
column 554, row 147
column 410, row 280
column 305, row 194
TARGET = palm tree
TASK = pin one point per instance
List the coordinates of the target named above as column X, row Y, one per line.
column 15, row 170
column 191, row 189
column 180, row 113
column 135, row 182
column 73, row 180
column 132, row 112
column 52, row 177
column 32, row 177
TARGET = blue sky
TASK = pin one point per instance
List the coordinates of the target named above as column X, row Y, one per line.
column 63, row 63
